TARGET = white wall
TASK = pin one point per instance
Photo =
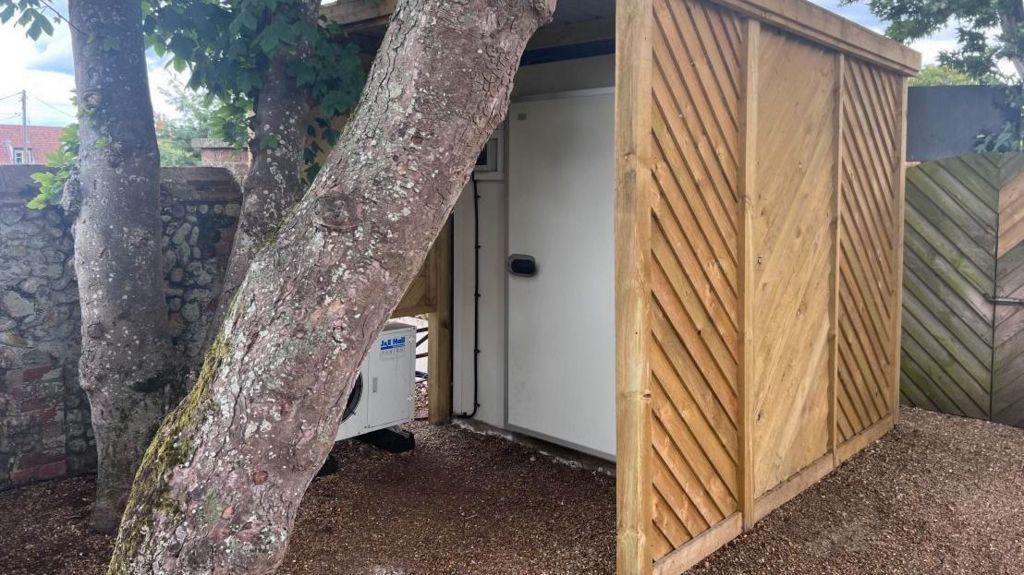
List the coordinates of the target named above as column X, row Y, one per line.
column 579, row 74
column 493, row 214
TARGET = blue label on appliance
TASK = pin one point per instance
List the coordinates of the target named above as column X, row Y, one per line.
column 392, row 343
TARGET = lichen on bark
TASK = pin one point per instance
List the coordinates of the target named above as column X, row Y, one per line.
column 126, row 364
column 172, row 447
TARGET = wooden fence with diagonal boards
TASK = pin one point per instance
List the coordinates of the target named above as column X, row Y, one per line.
column 963, row 322
column 759, row 222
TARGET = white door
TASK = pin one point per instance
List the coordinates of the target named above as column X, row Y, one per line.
column 561, row 320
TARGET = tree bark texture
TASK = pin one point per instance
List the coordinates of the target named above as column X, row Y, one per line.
column 126, row 366
column 1011, row 21
column 221, row 483
column 273, row 184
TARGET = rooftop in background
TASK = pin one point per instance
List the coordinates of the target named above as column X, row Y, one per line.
column 42, row 141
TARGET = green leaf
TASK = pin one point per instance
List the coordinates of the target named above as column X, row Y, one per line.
column 46, row 25
column 27, row 16
column 7, row 12
column 35, row 30
column 269, row 40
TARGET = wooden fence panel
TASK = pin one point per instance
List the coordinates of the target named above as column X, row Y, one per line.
column 694, row 275
column 793, row 248
column 949, row 275
column 1008, row 356
column 729, row 156
column 869, row 246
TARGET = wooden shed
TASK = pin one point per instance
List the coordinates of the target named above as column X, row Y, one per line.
column 755, row 224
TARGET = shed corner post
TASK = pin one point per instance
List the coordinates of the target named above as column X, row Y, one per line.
column 748, row 173
column 837, row 238
column 897, row 316
column 439, row 357
column 633, row 189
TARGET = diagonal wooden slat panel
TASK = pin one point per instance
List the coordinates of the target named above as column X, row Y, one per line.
column 868, row 250
column 694, row 269
column 950, row 268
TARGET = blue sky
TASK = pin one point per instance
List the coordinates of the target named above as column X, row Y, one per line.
column 44, row 67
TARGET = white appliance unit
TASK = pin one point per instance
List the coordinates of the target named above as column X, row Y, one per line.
column 385, row 392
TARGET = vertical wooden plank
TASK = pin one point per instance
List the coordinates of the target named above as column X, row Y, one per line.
column 1007, row 400
column 748, row 172
column 634, row 485
column 833, row 368
column 439, row 361
column 897, row 314
column 791, row 234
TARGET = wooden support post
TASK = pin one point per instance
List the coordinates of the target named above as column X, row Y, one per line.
column 633, row 189
column 747, row 175
column 833, row 367
column 439, row 360
column 897, row 316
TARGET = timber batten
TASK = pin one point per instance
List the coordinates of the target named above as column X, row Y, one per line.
column 773, row 262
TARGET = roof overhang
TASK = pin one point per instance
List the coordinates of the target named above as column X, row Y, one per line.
column 588, row 21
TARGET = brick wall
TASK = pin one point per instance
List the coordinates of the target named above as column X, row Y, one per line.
column 216, row 153
column 44, row 415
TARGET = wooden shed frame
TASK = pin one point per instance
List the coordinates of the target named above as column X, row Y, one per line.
column 866, row 116
column 758, row 259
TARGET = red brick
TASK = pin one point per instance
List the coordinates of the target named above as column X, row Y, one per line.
column 38, row 404
column 23, row 476
column 52, row 470
column 36, row 373
column 33, row 460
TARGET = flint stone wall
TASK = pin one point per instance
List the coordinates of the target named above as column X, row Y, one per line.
column 44, row 415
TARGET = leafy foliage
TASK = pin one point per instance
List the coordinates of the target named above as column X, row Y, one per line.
column 938, row 75
column 228, row 44
column 201, row 116
column 987, row 31
column 63, row 162
column 29, row 14
column 1008, row 139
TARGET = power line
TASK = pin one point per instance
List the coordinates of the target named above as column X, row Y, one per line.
column 18, row 93
column 60, row 16
column 54, row 108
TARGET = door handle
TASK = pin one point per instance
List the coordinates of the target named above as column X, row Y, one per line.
column 521, row 265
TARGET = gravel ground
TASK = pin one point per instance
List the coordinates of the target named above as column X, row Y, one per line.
column 939, row 495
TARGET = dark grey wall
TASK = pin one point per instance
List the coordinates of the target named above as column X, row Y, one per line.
column 944, row 121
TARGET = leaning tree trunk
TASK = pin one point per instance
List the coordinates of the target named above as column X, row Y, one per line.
column 126, row 364
column 1011, row 23
column 273, row 184
column 220, row 485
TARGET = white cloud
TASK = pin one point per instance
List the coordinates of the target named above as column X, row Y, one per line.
column 45, row 69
